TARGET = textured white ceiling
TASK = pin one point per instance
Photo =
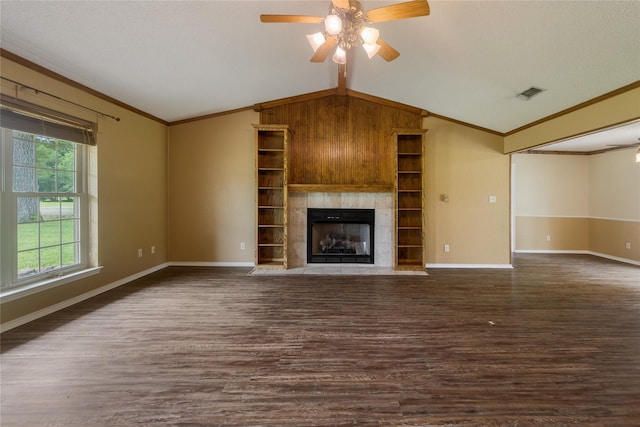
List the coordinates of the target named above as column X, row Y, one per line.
column 467, row 60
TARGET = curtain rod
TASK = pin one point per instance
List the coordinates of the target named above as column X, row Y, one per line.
column 38, row 91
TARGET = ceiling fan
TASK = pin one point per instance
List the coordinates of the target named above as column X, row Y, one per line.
column 345, row 27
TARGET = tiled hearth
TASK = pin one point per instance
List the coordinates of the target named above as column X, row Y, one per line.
column 297, row 217
column 339, row 269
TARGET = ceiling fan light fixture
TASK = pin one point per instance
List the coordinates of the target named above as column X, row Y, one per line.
column 333, row 24
column 344, row 26
column 340, row 56
column 316, row 40
column 369, row 35
column 371, row 49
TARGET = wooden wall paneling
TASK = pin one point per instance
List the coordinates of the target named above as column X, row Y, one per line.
column 341, row 140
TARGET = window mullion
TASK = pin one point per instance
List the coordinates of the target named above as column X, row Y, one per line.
column 43, row 235
column 8, row 220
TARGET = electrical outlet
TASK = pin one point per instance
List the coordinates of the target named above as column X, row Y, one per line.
column 446, row 248
column 242, row 246
column 628, row 245
column 548, row 238
column 139, row 253
column 153, row 249
column 492, row 199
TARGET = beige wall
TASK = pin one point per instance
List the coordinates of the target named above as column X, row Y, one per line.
column 610, row 237
column 131, row 189
column 212, row 189
column 614, row 204
column 548, row 233
column 555, row 194
column 551, row 185
column 614, row 185
column 551, row 202
column 578, row 203
column 213, row 158
column 468, row 166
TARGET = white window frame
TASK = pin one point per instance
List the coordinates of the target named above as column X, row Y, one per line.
column 12, row 286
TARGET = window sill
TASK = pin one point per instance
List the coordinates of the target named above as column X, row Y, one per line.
column 32, row 288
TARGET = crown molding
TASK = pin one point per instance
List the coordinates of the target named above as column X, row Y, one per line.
column 291, row 99
column 469, row 125
column 419, row 111
column 577, row 107
column 210, row 116
column 59, row 77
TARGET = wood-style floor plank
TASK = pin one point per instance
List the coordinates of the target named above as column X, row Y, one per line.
column 554, row 342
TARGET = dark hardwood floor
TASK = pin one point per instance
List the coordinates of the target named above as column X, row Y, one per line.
column 554, row 342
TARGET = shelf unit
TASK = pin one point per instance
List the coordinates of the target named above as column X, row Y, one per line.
column 271, row 195
column 409, row 200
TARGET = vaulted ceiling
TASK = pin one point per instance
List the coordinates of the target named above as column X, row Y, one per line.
column 467, row 60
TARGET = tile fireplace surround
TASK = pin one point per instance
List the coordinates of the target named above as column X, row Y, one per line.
column 297, row 217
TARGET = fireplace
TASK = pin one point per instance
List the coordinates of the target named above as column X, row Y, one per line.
column 340, row 235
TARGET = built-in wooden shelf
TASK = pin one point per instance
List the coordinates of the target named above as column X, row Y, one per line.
column 271, row 195
column 409, row 249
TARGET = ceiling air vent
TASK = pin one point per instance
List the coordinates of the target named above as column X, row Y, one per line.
column 529, row 93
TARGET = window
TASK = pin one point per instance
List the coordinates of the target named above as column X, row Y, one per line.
column 44, row 203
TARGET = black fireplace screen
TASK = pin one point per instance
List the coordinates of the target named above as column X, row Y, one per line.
column 340, row 235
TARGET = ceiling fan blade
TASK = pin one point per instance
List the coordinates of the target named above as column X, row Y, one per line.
column 341, row 4
column 386, row 51
column 404, row 10
column 324, row 49
column 298, row 19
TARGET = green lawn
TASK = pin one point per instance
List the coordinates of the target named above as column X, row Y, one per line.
column 47, row 243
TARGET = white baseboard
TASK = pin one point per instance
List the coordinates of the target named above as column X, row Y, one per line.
column 469, row 266
column 598, row 254
column 71, row 301
column 615, row 258
column 546, row 251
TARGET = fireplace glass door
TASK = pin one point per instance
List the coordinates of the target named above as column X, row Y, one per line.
column 340, row 235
